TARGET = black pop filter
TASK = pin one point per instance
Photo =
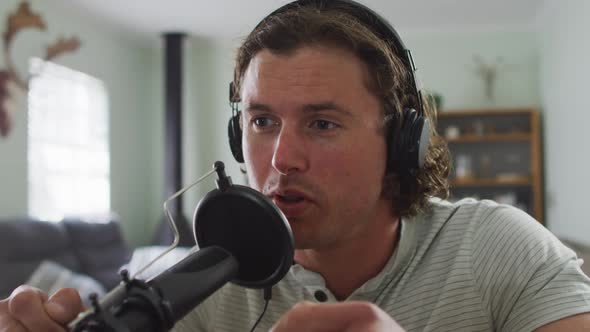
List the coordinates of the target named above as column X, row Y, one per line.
column 249, row 226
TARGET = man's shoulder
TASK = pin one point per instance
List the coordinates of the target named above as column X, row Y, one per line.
column 479, row 226
column 497, row 235
column 476, row 214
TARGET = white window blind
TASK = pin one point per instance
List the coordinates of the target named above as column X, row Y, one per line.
column 68, row 145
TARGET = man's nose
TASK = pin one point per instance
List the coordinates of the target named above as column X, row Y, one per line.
column 289, row 152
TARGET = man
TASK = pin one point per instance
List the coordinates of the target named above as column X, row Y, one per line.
column 323, row 98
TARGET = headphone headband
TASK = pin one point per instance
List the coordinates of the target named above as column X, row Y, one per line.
column 371, row 20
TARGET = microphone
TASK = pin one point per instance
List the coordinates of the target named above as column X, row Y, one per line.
column 248, row 225
column 243, row 238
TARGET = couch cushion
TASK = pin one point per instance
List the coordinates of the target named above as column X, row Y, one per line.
column 100, row 248
column 14, row 274
column 24, row 243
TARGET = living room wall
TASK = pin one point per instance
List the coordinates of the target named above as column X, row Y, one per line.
column 122, row 62
column 445, row 61
column 564, row 70
column 207, row 72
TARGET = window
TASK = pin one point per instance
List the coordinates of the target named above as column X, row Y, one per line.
column 68, row 146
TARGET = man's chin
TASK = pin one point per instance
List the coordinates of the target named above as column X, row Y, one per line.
column 305, row 233
column 304, row 241
column 300, row 240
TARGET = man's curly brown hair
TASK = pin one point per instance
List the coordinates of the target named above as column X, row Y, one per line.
column 389, row 79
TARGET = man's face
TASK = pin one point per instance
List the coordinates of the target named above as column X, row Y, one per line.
column 312, row 142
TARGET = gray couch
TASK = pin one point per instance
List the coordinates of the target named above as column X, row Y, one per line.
column 96, row 250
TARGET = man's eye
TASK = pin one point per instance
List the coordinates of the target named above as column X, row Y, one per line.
column 324, row 125
column 262, row 122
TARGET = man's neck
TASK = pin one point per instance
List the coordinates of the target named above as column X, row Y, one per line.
column 348, row 267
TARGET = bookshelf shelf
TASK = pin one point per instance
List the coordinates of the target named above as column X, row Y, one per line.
column 496, row 154
column 493, row 182
column 473, row 138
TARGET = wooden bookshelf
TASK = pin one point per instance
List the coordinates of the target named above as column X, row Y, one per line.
column 509, row 141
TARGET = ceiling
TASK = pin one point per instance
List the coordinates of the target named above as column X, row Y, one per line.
column 234, row 18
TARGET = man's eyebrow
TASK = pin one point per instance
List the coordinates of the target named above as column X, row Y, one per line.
column 307, row 108
column 252, row 107
column 326, row 106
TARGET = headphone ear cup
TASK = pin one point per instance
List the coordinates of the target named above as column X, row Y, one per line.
column 414, row 143
column 402, row 141
column 423, row 140
column 408, row 149
column 410, row 115
column 417, row 141
column 234, row 133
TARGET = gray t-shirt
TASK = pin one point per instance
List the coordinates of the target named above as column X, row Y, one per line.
column 467, row 266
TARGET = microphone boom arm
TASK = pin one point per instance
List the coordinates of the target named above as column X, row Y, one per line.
column 156, row 305
column 171, row 221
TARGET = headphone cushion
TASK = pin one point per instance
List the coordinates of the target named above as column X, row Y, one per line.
column 234, row 134
column 415, row 132
column 406, row 152
column 424, row 142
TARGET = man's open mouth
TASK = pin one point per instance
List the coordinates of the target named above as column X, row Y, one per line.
column 290, row 198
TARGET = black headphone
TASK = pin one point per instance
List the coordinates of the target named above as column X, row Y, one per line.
column 407, row 137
